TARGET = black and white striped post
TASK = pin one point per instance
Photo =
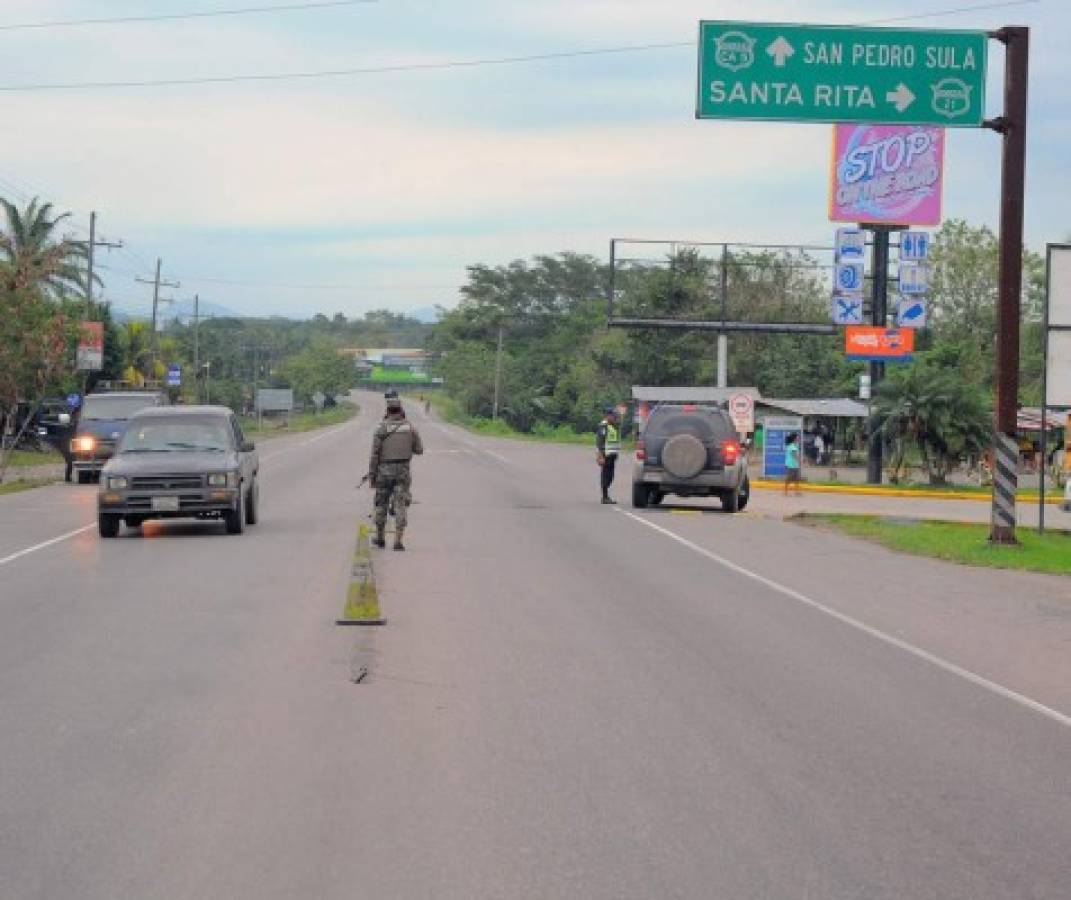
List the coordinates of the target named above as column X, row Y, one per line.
column 1012, row 127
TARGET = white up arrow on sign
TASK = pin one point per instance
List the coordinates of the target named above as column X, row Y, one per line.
column 902, row 97
column 780, row 50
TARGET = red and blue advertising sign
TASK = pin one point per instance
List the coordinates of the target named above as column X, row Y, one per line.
column 872, row 342
column 887, row 174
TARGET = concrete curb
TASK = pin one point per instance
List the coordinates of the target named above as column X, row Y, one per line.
column 862, row 490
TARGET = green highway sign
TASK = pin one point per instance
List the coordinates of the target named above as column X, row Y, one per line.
column 831, row 73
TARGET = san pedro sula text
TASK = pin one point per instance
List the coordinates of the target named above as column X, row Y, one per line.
column 889, row 56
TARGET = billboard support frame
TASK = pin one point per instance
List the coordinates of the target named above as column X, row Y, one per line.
column 1047, row 329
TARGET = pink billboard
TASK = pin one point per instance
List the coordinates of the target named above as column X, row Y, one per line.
column 888, row 174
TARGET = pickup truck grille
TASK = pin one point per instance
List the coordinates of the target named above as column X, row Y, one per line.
column 166, row 482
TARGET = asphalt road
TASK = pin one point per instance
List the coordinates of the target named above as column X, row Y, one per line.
column 569, row 700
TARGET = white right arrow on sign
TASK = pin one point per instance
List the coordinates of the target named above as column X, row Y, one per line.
column 902, row 97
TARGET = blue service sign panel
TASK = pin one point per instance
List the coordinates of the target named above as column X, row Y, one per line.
column 915, row 245
column 74, row 401
column 775, row 430
column 911, row 312
column 849, row 278
column 847, row 310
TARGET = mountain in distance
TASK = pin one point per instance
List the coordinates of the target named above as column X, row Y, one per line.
column 429, row 315
column 179, row 309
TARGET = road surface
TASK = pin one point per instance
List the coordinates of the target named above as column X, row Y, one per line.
column 569, row 700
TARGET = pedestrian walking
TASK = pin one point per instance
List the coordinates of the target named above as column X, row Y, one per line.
column 394, row 445
column 792, row 463
column 607, row 449
column 819, row 449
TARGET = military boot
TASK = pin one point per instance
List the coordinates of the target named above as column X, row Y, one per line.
column 398, row 532
column 380, row 539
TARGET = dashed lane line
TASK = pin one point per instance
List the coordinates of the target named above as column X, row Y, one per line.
column 950, row 667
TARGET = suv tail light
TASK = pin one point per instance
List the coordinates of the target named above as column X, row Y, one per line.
column 641, row 450
column 730, row 452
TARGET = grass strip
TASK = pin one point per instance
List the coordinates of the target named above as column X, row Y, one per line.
column 24, row 459
column 449, row 410
column 24, row 484
column 959, row 542
column 299, row 421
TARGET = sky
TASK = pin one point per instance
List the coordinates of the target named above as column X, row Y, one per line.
column 377, row 190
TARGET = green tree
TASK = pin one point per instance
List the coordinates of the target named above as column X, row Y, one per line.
column 320, row 367
column 930, row 405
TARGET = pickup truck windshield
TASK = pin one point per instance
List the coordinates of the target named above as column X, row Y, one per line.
column 101, row 406
column 172, row 435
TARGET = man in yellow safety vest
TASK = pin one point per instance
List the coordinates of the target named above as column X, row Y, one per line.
column 607, row 448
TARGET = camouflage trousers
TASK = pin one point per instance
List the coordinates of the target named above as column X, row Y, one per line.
column 393, row 479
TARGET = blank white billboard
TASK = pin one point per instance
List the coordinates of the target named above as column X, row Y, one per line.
column 1058, row 371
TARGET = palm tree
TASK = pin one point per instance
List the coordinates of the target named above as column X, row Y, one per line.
column 935, row 409
column 31, row 258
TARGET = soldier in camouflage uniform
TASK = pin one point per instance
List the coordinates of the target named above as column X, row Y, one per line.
column 393, row 446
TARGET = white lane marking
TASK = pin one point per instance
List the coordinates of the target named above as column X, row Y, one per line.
column 470, row 444
column 63, row 537
column 952, row 668
column 313, row 440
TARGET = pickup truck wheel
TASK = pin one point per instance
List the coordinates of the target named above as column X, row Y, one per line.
column 639, row 495
column 108, row 525
column 134, row 521
column 234, row 519
column 252, row 502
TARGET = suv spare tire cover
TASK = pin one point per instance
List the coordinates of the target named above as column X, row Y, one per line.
column 684, row 456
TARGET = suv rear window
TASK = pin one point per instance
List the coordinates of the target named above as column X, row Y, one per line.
column 707, row 425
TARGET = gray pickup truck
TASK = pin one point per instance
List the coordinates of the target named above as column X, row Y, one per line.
column 690, row 451
column 180, row 462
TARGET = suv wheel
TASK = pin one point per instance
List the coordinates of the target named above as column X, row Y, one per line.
column 108, row 525
column 639, row 495
column 730, row 501
column 745, row 494
column 234, row 519
column 84, row 477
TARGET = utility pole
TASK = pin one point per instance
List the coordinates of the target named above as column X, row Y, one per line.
column 92, row 245
column 197, row 344
column 723, row 338
column 498, row 373
column 156, row 285
column 1012, row 127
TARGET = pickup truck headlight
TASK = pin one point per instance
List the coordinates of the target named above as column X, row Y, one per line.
column 84, row 443
column 223, row 479
column 117, row 483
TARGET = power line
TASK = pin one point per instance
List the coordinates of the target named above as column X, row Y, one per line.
column 171, row 17
column 343, row 73
column 439, row 66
